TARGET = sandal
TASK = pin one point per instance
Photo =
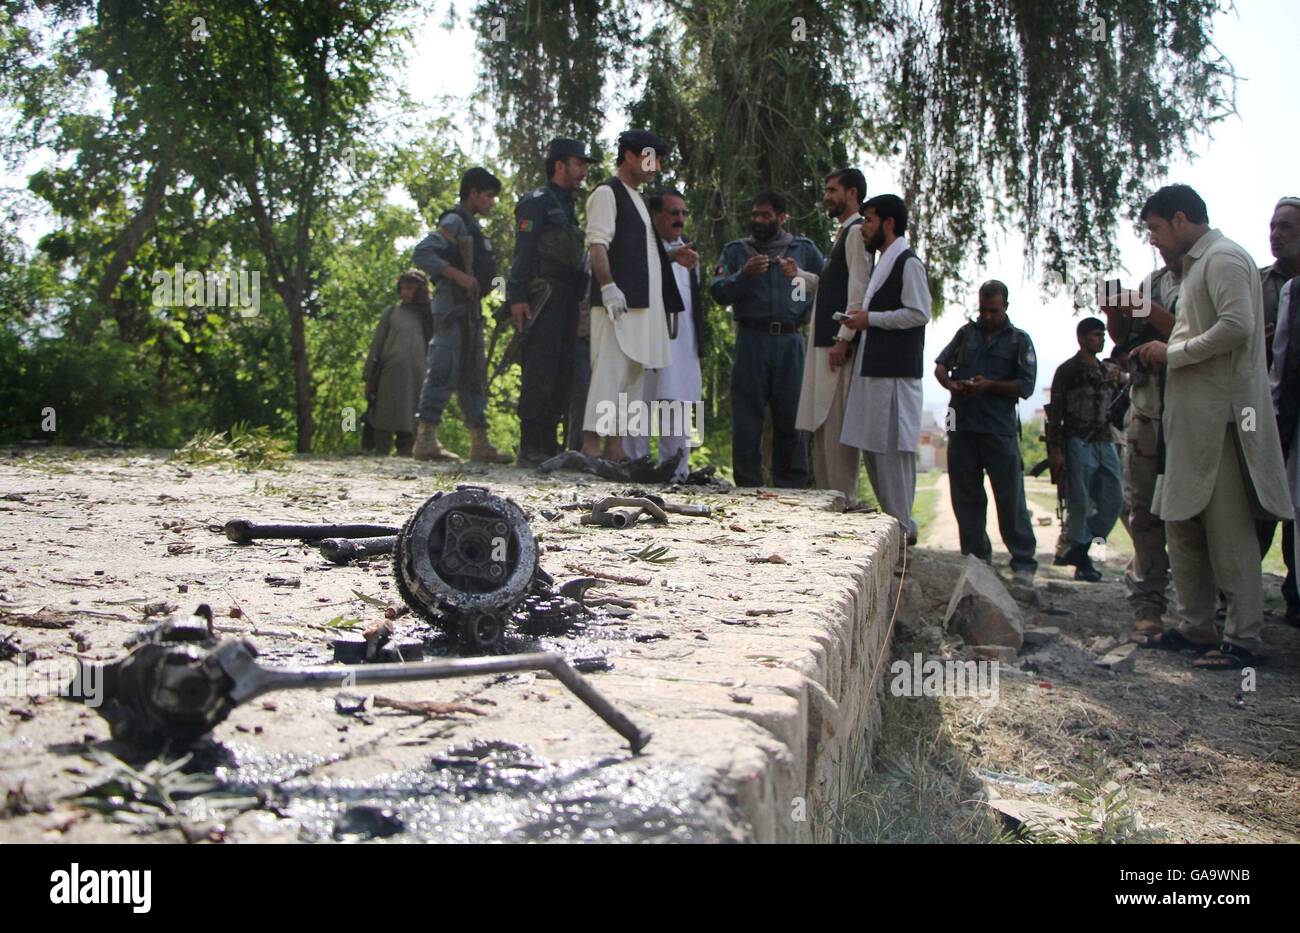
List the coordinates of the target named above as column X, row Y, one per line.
column 1173, row 640
column 1146, row 631
column 1227, row 657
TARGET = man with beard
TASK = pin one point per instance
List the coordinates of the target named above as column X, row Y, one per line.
column 546, row 280
column 767, row 279
column 826, row 378
column 632, row 293
column 1284, row 241
column 674, row 392
column 883, row 413
column 460, row 259
column 1223, row 460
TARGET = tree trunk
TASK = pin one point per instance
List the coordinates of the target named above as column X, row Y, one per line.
column 302, row 385
column 154, row 189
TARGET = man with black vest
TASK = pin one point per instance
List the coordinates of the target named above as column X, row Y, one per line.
column 883, row 414
column 632, row 292
column 769, row 280
column 674, row 393
column 826, row 378
column 460, row 259
column 546, row 281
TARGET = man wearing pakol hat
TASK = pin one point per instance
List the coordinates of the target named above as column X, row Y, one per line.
column 547, row 277
column 1080, row 440
column 632, row 291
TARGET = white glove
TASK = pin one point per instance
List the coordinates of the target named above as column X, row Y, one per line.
column 613, row 300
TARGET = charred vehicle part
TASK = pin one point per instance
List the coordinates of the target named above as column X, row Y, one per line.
column 465, row 561
column 182, row 681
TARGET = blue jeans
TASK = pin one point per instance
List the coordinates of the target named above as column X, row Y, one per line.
column 456, row 364
column 1094, row 489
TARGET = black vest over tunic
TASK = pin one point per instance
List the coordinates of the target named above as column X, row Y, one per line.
column 893, row 353
column 832, row 292
column 627, row 257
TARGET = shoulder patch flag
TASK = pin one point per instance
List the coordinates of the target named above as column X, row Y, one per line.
column 525, row 226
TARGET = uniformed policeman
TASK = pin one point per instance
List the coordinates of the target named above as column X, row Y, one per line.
column 545, row 284
column 769, row 279
column 459, row 258
column 987, row 366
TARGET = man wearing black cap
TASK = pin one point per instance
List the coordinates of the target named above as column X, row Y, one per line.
column 545, row 284
column 632, row 292
column 1080, row 440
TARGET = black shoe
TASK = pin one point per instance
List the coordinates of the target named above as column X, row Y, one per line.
column 1292, row 616
column 1085, row 570
column 1069, row 559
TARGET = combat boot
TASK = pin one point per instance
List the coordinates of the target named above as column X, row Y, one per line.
column 1084, row 569
column 428, row 447
column 481, row 449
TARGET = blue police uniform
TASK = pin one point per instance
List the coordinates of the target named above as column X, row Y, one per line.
column 984, row 436
column 768, row 367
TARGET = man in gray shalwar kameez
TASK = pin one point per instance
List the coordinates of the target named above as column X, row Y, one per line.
column 1223, row 459
column 394, row 369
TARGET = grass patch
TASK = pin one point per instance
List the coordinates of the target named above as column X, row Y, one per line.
column 247, row 448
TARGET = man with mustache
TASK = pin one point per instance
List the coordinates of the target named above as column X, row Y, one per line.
column 678, row 384
column 1223, row 459
column 768, row 280
column 632, row 293
column 546, row 281
column 826, row 378
column 1284, row 241
column 883, row 413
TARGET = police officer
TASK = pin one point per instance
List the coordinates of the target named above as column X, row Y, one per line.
column 769, row 279
column 460, row 259
column 546, row 280
column 987, row 366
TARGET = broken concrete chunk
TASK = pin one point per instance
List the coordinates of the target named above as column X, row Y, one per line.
column 1122, row 658
column 1041, row 635
column 981, row 610
column 1033, row 817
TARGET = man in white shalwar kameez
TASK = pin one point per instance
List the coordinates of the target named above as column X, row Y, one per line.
column 629, row 301
column 673, row 393
column 826, row 375
column 883, row 414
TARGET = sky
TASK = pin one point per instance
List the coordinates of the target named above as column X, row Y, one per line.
column 1252, row 160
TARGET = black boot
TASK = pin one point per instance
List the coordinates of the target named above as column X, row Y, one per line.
column 532, row 448
column 1084, row 570
column 1070, row 558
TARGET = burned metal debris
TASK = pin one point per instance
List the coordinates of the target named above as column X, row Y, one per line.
column 243, row 531
column 466, row 561
column 182, row 681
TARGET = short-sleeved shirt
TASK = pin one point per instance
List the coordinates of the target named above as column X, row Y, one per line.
column 1006, row 355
